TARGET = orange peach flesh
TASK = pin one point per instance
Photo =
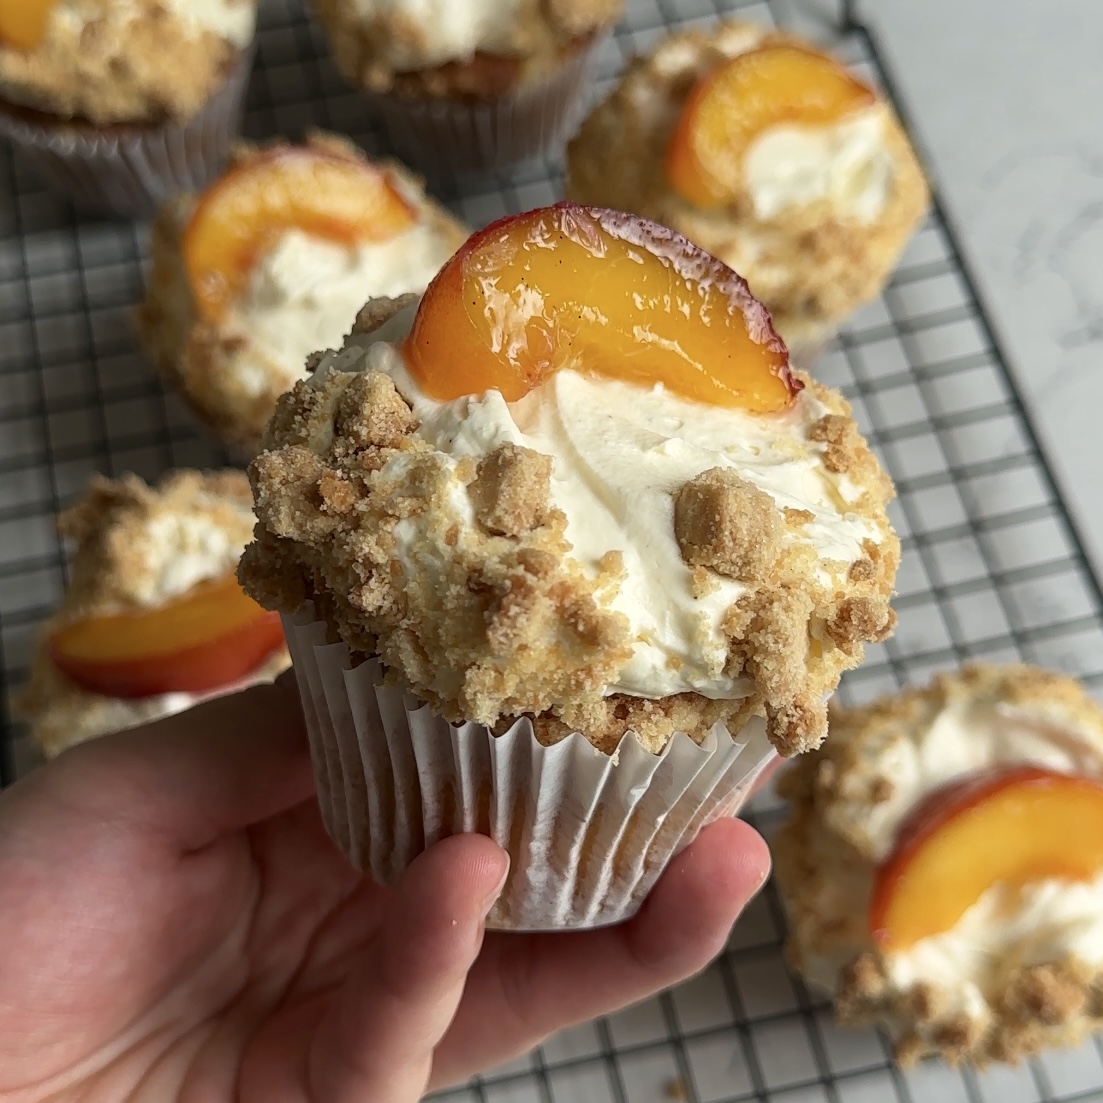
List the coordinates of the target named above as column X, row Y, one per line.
column 336, row 198
column 602, row 293
column 1008, row 827
column 210, row 637
column 23, row 22
column 731, row 106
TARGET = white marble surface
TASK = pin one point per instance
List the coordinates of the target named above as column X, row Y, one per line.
column 1006, row 100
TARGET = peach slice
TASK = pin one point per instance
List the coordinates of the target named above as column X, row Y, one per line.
column 23, row 22
column 734, row 103
column 321, row 192
column 212, row 636
column 600, row 292
column 1009, row 826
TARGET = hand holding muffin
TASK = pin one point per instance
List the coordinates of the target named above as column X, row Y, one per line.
column 226, row 949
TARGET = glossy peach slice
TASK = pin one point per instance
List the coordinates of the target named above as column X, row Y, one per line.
column 736, row 102
column 323, row 193
column 212, row 636
column 23, row 22
column 1010, row 826
column 599, row 292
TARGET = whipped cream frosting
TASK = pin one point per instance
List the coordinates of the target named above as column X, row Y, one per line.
column 444, row 30
column 305, row 293
column 231, row 20
column 847, row 165
column 180, row 550
column 619, row 453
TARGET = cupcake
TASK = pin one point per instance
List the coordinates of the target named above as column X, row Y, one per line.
column 461, row 87
column 565, row 554
column 942, row 866
column 87, row 94
column 272, row 263
column 768, row 154
column 153, row 619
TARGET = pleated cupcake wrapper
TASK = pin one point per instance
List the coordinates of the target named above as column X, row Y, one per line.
column 588, row 833
column 446, row 136
column 129, row 171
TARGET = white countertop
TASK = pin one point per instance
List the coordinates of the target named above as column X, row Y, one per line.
column 1005, row 101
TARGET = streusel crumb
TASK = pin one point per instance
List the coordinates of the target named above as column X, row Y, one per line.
column 112, row 69
column 726, row 523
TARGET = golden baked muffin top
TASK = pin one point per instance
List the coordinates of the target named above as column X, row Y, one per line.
column 479, row 48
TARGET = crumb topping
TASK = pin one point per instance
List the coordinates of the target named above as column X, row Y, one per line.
column 827, row 853
column 459, row 572
column 104, row 63
column 726, row 523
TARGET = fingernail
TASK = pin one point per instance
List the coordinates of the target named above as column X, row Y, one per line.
column 492, row 897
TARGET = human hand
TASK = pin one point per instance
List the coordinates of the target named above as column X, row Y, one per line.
column 176, row 925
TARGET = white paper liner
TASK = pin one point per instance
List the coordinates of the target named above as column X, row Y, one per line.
column 588, row 833
column 464, row 136
column 129, row 171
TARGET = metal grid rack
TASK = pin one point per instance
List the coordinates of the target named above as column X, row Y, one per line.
column 993, row 568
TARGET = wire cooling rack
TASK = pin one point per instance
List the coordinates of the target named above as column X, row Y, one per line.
column 992, row 569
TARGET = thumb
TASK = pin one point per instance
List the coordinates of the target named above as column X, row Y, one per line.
column 378, row 1039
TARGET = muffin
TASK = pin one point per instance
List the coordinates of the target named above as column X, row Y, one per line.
column 461, row 87
column 272, row 263
column 565, row 553
column 942, row 865
column 153, row 620
column 768, row 154
column 85, row 92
